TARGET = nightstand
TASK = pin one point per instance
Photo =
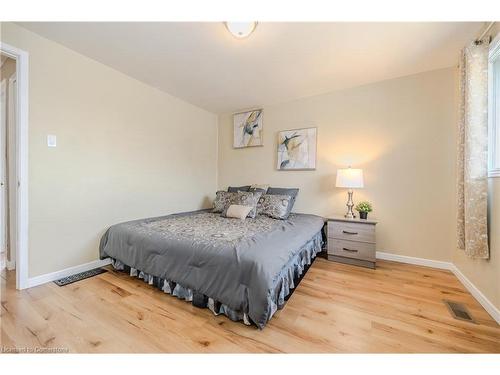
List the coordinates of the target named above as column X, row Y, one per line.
column 351, row 241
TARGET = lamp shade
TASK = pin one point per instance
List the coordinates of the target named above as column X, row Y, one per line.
column 349, row 178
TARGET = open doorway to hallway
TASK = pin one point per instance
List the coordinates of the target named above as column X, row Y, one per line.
column 8, row 178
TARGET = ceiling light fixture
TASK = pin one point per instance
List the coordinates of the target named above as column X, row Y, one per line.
column 241, row 29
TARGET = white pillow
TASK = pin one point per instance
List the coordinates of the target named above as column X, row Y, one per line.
column 238, row 212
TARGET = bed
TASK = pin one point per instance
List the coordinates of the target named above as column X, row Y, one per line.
column 243, row 269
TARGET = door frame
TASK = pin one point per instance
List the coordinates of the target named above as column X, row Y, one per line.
column 22, row 73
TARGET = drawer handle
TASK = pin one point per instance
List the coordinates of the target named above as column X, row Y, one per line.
column 350, row 250
column 347, row 232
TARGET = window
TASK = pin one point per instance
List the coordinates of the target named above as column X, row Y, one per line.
column 494, row 109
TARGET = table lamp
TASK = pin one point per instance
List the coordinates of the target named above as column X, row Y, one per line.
column 352, row 179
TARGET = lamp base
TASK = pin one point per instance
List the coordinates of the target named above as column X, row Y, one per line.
column 350, row 204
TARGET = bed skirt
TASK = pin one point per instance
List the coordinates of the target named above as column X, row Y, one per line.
column 284, row 283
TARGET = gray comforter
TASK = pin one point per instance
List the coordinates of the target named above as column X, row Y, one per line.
column 235, row 262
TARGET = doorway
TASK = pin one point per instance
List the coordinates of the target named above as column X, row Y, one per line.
column 14, row 164
column 8, row 204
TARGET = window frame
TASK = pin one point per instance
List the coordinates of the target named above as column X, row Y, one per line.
column 493, row 115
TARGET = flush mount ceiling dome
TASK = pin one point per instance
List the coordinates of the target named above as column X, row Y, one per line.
column 241, row 29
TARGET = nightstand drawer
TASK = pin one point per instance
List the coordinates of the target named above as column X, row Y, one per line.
column 351, row 231
column 352, row 249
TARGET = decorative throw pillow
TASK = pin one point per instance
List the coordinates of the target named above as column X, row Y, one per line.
column 222, row 199
column 238, row 212
column 244, row 198
column 274, row 206
column 261, row 188
column 283, row 191
column 235, row 189
column 292, row 192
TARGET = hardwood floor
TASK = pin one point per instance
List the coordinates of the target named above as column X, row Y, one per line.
column 336, row 308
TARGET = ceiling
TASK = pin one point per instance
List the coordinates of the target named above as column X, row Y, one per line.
column 205, row 65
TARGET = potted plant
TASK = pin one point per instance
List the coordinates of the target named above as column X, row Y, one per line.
column 363, row 208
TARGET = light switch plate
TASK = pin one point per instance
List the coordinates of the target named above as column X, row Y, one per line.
column 51, row 140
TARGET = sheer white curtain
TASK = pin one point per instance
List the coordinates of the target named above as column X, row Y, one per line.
column 472, row 224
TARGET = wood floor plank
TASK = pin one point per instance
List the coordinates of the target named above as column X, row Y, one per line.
column 336, row 308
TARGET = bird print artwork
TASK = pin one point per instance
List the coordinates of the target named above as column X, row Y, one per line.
column 290, row 145
column 248, row 129
column 297, row 149
column 251, row 126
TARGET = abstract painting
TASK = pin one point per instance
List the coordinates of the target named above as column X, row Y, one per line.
column 297, row 149
column 247, row 129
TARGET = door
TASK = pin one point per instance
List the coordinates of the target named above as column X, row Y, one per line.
column 3, row 163
column 11, row 174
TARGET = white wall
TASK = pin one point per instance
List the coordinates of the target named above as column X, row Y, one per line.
column 124, row 151
column 399, row 131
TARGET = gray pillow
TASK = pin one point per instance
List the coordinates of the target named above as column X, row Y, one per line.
column 222, row 199
column 262, row 188
column 253, row 190
column 292, row 192
column 283, row 191
column 244, row 198
column 235, row 189
column 274, row 206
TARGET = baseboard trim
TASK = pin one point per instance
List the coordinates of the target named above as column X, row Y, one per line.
column 48, row 277
column 476, row 293
column 416, row 261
